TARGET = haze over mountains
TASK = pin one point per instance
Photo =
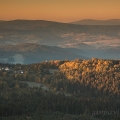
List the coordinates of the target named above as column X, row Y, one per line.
column 34, row 53
column 78, row 41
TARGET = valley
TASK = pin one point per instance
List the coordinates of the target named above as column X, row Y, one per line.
column 33, row 53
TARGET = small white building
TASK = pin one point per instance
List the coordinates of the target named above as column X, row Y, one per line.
column 7, row 69
column 22, row 72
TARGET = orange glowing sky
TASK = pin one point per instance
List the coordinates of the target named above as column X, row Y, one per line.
column 59, row 10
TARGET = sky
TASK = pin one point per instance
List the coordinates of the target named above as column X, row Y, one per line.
column 59, row 10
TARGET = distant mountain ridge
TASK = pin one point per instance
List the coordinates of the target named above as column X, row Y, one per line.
column 97, row 22
column 52, row 33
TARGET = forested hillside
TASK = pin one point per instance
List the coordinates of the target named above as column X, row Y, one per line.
column 78, row 89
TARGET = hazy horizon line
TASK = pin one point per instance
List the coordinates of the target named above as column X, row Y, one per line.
column 60, row 21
